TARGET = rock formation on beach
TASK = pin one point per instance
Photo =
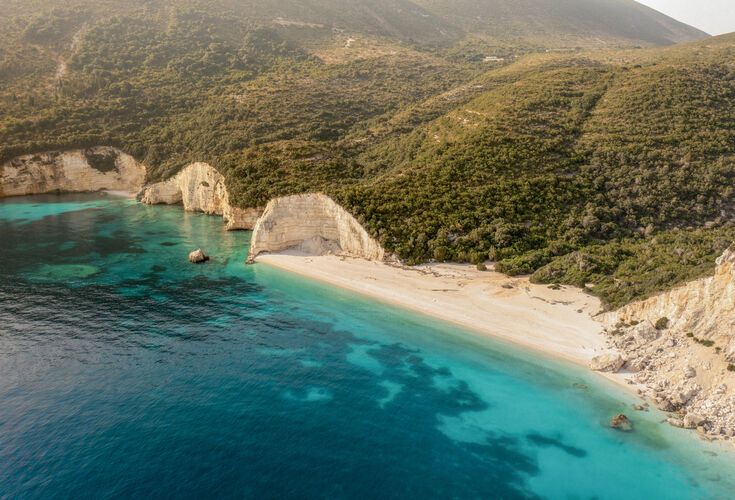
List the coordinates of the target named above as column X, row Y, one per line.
column 681, row 347
column 74, row 171
column 314, row 224
column 200, row 188
column 610, row 362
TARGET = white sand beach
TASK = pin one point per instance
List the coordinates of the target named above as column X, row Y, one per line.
column 558, row 323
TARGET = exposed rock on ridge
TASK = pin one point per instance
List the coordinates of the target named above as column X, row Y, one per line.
column 72, row 171
column 314, row 224
column 685, row 363
column 200, row 188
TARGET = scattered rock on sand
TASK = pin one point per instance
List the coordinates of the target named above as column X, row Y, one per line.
column 611, row 362
column 622, row 423
column 198, row 256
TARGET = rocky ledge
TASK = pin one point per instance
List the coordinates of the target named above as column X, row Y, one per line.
column 75, row 171
column 313, row 224
column 680, row 346
column 200, row 188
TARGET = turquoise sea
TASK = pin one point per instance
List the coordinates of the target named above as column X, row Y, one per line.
column 125, row 371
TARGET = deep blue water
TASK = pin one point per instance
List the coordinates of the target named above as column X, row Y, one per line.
column 127, row 371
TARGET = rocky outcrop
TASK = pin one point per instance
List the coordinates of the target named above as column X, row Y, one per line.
column 75, row 171
column 681, row 346
column 314, row 224
column 611, row 362
column 201, row 188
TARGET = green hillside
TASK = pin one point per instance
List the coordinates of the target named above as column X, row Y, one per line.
column 573, row 155
column 450, row 137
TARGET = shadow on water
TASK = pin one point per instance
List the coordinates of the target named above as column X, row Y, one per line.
column 546, row 441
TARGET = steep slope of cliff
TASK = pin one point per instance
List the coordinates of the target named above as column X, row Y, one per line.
column 314, row 224
column 680, row 344
column 94, row 169
column 705, row 308
column 200, row 188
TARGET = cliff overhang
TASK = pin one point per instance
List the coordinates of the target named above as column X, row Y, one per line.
column 313, row 224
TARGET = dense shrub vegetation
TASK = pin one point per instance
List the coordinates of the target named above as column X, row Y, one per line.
column 608, row 169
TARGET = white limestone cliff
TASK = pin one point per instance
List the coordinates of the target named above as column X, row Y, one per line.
column 314, row 224
column 705, row 307
column 681, row 346
column 201, row 188
column 75, row 171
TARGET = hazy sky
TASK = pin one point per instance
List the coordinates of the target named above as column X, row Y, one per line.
column 713, row 16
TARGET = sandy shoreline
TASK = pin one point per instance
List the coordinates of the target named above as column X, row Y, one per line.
column 556, row 323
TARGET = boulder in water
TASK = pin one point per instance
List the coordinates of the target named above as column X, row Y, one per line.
column 622, row 423
column 198, row 256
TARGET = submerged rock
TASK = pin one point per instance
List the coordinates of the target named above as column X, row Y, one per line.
column 611, row 362
column 621, row 423
column 198, row 256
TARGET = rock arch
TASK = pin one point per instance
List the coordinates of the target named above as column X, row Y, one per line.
column 199, row 187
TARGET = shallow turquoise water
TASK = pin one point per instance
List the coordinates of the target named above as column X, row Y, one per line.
column 125, row 370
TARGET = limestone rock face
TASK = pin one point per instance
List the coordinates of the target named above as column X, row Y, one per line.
column 75, row 171
column 687, row 367
column 705, row 307
column 200, row 188
column 314, row 224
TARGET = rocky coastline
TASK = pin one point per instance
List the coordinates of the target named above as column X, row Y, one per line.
column 677, row 347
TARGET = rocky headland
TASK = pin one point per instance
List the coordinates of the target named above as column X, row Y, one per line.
column 76, row 171
column 200, row 188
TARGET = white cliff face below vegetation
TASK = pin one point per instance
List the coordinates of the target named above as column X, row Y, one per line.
column 681, row 346
column 200, row 188
column 75, row 171
column 313, row 224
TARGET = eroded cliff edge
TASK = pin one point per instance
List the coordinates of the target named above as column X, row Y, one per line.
column 681, row 347
column 75, row 171
column 313, row 224
column 199, row 187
